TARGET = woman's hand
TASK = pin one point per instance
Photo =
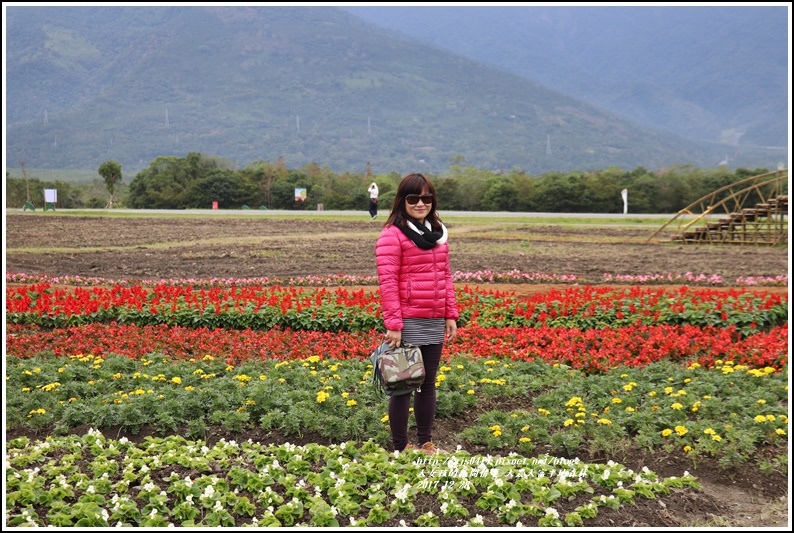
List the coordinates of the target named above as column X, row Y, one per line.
column 394, row 337
column 450, row 329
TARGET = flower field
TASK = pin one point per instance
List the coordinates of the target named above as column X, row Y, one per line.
column 541, row 398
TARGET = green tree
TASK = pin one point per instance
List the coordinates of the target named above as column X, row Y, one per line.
column 111, row 173
column 500, row 194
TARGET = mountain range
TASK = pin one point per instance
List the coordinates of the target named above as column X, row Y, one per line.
column 316, row 84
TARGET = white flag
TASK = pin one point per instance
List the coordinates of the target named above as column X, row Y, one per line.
column 625, row 194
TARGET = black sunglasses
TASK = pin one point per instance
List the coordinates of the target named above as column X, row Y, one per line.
column 413, row 199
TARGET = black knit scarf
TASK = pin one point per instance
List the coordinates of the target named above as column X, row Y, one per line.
column 421, row 234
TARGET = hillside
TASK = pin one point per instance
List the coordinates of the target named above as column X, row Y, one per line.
column 713, row 72
column 306, row 84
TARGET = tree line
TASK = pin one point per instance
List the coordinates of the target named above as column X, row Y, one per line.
column 198, row 181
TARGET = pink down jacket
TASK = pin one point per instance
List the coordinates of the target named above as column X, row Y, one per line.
column 414, row 283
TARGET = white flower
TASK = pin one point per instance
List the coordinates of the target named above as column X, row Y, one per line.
column 551, row 511
column 606, row 474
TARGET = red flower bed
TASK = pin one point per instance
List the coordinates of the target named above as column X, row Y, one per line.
column 589, row 350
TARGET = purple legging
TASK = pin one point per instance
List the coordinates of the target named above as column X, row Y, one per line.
column 424, row 403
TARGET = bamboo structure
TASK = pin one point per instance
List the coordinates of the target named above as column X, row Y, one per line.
column 728, row 216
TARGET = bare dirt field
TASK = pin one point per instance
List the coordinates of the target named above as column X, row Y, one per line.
column 279, row 247
column 241, row 247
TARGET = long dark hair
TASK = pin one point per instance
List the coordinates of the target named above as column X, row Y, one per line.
column 413, row 184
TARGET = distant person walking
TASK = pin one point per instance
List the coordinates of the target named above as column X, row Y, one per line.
column 373, row 200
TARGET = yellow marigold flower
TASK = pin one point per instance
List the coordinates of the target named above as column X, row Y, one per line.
column 681, row 392
column 345, row 394
column 385, row 419
column 681, row 430
column 727, row 370
column 525, row 428
column 470, row 391
column 668, row 390
column 351, row 403
column 177, row 380
column 25, row 389
column 652, row 393
column 617, row 400
column 629, row 409
column 322, row 396
column 250, row 402
column 654, row 408
column 687, row 448
column 573, row 402
column 282, row 380
column 314, row 359
column 497, row 433
column 91, row 382
column 524, row 439
column 667, row 432
column 771, row 418
column 628, row 387
column 495, row 428
column 513, row 415
column 568, row 422
column 445, row 368
column 687, row 380
column 27, row 373
column 677, row 406
column 542, row 411
column 229, row 368
column 707, row 397
column 140, row 392
column 189, row 388
column 38, row 412
column 262, row 377
column 780, row 431
column 580, row 415
column 604, row 421
column 760, row 419
column 716, row 438
column 459, row 367
column 441, row 377
column 208, row 358
column 709, row 431
column 761, row 401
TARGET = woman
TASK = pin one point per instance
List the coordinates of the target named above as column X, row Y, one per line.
column 417, row 299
